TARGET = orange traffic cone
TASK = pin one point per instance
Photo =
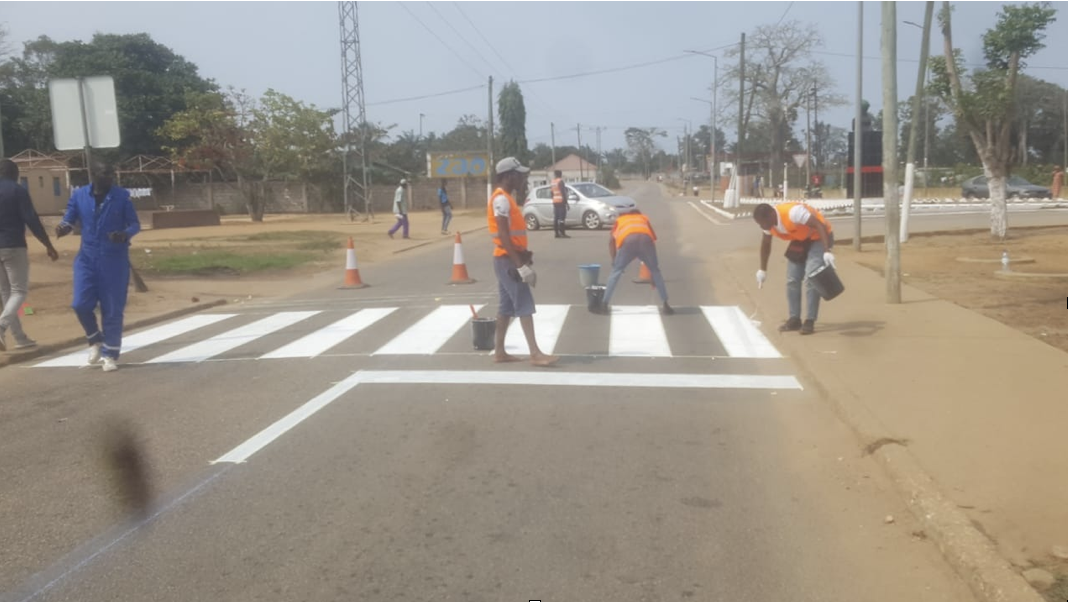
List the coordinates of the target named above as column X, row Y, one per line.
column 352, row 272
column 459, row 268
column 644, row 275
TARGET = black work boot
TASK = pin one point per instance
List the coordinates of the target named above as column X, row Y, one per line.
column 808, row 327
column 667, row 310
column 790, row 325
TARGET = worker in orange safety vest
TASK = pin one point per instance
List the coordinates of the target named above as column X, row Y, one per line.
column 811, row 238
column 633, row 238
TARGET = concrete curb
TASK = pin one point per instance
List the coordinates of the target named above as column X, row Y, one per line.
column 431, row 242
column 42, row 350
column 969, row 551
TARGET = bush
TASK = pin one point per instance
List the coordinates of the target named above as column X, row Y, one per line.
column 608, row 177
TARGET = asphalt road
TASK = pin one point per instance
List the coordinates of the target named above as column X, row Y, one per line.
column 350, row 445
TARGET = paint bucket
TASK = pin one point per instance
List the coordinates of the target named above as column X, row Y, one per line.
column 826, row 282
column 589, row 273
column 595, row 297
column 483, row 331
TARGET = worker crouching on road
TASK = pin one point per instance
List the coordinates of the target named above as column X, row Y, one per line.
column 633, row 238
column 102, row 267
column 512, row 262
column 810, row 238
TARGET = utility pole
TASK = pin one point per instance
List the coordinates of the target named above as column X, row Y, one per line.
column 353, row 113
column 421, row 115
column 552, row 141
column 713, row 172
column 910, row 160
column 741, row 128
column 808, row 138
column 1065, row 113
column 491, row 169
column 927, row 137
column 890, row 200
column 598, row 155
column 1, row 133
column 858, row 131
column 578, row 131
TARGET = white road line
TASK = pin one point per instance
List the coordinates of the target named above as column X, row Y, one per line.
column 548, row 324
column 143, row 338
column 579, row 379
column 705, row 215
column 324, row 339
column 232, row 339
column 428, row 335
column 242, row 452
column 637, row 331
column 738, row 334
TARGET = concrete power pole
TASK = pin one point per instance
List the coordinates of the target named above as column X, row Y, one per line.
column 552, row 140
column 858, row 131
column 578, row 131
column 890, row 197
column 741, row 127
column 910, row 161
column 491, row 169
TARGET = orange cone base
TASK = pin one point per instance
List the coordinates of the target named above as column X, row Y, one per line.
column 644, row 276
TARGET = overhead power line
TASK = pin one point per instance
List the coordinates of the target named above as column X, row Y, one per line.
column 461, row 36
column 610, row 70
column 438, row 38
column 425, row 96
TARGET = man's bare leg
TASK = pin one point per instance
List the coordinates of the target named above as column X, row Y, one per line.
column 536, row 356
column 500, row 355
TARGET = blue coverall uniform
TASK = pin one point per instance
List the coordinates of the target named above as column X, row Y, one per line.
column 102, row 267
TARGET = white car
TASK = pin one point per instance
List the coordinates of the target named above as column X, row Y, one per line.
column 592, row 206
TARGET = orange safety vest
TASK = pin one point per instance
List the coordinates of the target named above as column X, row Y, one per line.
column 631, row 223
column 516, row 224
column 558, row 195
column 797, row 231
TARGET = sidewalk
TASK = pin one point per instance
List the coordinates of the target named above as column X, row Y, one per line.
column 942, row 391
column 54, row 326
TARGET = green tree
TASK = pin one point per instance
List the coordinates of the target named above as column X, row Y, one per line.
column 468, row 135
column 642, row 145
column 984, row 102
column 512, row 113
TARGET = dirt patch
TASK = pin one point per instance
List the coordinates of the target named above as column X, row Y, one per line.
column 1033, row 306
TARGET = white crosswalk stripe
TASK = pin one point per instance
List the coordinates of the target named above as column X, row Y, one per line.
column 233, row 339
column 548, row 324
column 631, row 331
column 426, row 336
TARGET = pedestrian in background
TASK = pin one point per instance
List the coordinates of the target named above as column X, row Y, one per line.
column 810, row 239
column 400, row 209
column 102, row 267
column 1058, row 182
column 16, row 215
column 560, row 205
column 446, row 208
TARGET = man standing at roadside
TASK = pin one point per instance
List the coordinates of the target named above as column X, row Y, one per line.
column 560, row 205
column 16, row 215
column 446, row 208
column 633, row 238
column 810, row 239
column 1058, row 182
column 512, row 262
column 102, row 267
column 400, row 209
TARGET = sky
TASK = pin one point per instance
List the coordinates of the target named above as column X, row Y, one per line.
column 420, row 48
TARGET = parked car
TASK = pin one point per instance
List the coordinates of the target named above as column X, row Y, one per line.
column 592, row 206
column 1015, row 187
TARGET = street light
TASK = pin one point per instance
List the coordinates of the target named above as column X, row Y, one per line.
column 686, row 134
column 712, row 120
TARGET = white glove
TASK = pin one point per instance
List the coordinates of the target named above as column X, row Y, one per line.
column 527, row 274
column 828, row 258
column 762, row 276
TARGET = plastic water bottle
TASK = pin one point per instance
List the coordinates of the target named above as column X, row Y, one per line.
column 1004, row 261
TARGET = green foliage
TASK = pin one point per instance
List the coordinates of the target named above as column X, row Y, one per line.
column 1018, row 33
column 642, row 145
column 608, row 177
column 205, row 263
column 513, row 122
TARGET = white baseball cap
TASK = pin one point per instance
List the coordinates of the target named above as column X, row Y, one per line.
column 508, row 164
column 403, row 181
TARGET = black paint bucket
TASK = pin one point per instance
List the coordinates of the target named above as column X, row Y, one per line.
column 826, row 282
column 483, row 331
column 594, row 297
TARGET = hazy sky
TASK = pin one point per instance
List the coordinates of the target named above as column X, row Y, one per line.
column 294, row 47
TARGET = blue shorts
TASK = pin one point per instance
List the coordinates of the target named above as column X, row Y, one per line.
column 514, row 298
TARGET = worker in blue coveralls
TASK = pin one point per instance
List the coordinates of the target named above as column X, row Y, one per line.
column 102, row 267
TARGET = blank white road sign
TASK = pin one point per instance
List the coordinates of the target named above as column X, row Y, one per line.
column 100, row 109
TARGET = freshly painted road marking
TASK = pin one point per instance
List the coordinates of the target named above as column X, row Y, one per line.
column 143, row 338
column 738, row 334
column 324, row 339
column 705, row 215
column 548, row 324
column 578, row 379
column 428, row 335
column 637, row 331
column 233, row 339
